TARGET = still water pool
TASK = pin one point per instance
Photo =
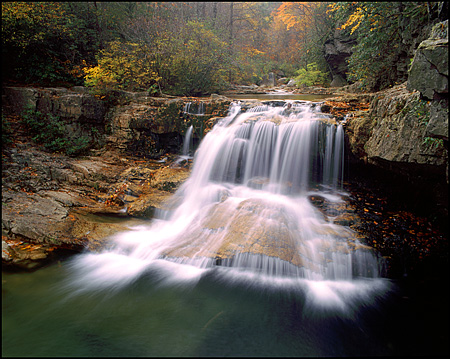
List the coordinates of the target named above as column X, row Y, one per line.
column 215, row 316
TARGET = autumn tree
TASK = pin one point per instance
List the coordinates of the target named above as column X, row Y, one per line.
column 37, row 41
column 46, row 42
column 198, row 62
column 299, row 30
column 123, row 65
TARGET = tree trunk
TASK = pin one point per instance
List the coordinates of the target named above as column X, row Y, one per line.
column 231, row 39
column 99, row 28
column 214, row 14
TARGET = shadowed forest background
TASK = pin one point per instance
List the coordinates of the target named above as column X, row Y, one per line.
column 196, row 48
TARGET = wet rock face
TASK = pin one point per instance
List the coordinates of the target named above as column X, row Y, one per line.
column 252, row 227
column 150, row 127
column 132, row 122
column 258, row 227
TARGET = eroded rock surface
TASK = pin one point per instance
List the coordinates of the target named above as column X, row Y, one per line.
column 53, row 202
column 260, row 227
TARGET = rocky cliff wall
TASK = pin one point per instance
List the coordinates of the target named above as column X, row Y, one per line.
column 408, row 124
column 340, row 45
column 134, row 123
column 404, row 132
column 337, row 50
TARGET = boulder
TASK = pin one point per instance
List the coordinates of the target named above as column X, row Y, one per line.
column 429, row 69
column 269, row 80
column 437, row 127
column 399, row 133
column 291, row 83
column 338, row 81
column 40, row 219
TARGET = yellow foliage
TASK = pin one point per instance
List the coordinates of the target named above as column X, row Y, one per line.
column 251, row 51
column 354, row 20
column 124, row 66
column 296, row 15
column 26, row 22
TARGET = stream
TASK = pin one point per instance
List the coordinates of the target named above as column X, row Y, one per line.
column 247, row 265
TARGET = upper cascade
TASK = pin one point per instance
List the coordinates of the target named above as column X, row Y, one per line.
column 293, row 147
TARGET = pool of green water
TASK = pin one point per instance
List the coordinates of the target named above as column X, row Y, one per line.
column 213, row 317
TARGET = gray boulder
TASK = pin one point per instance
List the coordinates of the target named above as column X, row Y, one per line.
column 429, row 69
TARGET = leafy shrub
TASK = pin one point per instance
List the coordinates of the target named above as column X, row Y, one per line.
column 124, row 66
column 197, row 63
column 6, row 132
column 51, row 132
column 310, row 76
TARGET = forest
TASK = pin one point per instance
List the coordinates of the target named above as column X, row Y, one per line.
column 159, row 198
column 197, row 48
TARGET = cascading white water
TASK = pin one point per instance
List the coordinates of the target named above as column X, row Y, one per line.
column 189, row 108
column 187, row 141
column 246, row 208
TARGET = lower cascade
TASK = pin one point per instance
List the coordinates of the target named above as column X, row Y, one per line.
column 247, row 210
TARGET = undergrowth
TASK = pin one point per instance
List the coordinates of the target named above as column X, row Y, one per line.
column 49, row 130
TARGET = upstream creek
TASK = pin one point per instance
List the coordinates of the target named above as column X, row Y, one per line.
column 256, row 260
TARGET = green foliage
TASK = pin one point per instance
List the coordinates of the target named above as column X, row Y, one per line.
column 378, row 27
column 6, row 132
column 433, row 142
column 288, row 69
column 198, row 61
column 422, row 111
column 418, row 109
column 50, row 131
column 310, row 76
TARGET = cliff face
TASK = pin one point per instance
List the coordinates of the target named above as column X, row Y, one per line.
column 340, row 46
column 407, row 125
column 337, row 50
column 404, row 132
column 133, row 123
column 399, row 133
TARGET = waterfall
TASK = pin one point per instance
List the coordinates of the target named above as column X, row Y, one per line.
column 333, row 165
column 187, row 141
column 247, row 207
column 189, row 108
